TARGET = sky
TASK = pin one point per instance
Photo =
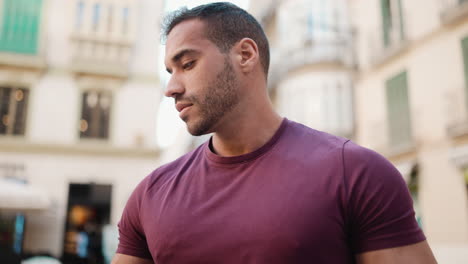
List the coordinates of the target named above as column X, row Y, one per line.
column 169, row 124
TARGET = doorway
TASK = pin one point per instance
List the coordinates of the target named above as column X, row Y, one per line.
column 88, row 211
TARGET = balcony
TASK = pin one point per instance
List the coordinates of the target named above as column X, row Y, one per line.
column 453, row 11
column 101, row 56
column 311, row 52
column 103, row 37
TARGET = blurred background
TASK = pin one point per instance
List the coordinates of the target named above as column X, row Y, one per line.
column 83, row 119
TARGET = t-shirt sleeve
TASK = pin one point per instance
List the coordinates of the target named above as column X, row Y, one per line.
column 380, row 207
column 132, row 240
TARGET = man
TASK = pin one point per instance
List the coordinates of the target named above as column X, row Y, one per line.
column 263, row 189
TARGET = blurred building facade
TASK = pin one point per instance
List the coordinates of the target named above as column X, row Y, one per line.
column 310, row 77
column 411, row 90
column 79, row 91
column 393, row 76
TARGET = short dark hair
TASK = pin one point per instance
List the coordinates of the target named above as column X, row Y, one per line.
column 226, row 24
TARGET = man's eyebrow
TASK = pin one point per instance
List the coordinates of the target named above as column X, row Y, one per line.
column 176, row 58
column 183, row 53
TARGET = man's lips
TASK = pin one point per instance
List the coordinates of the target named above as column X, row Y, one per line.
column 181, row 106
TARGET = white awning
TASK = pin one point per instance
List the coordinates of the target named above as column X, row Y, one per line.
column 17, row 196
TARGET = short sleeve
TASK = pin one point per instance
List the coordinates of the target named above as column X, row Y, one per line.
column 132, row 240
column 380, row 207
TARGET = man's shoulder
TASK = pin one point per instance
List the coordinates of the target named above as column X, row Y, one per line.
column 312, row 139
column 166, row 171
column 357, row 156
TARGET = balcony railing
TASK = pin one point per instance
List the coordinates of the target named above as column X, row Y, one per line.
column 312, row 51
column 100, row 55
column 453, row 10
column 103, row 36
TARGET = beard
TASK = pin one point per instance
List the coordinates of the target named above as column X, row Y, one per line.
column 219, row 99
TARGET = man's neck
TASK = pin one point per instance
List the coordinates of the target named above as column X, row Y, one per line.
column 245, row 133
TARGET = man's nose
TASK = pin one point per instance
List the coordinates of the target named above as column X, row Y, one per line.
column 174, row 87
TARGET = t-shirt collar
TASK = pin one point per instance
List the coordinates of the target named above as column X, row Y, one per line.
column 248, row 156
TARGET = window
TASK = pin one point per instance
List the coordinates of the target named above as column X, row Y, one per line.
column 20, row 25
column 79, row 15
column 310, row 25
column 398, row 111
column 95, row 115
column 110, row 18
column 464, row 44
column 96, row 16
column 13, row 109
column 392, row 21
column 125, row 17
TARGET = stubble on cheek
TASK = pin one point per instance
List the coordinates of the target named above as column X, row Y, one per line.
column 220, row 97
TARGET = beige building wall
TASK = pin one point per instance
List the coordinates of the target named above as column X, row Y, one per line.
column 431, row 54
column 51, row 154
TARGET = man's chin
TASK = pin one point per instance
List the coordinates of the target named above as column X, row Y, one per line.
column 198, row 129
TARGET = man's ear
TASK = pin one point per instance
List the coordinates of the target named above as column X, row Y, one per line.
column 247, row 55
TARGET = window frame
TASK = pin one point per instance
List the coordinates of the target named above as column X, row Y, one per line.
column 12, row 108
column 392, row 16
column 398, row 116
column 96, row 137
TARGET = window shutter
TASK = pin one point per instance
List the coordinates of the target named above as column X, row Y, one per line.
column 399, row 121
column 464, row 44
column 400, row 12
column 20, row 26
column 386, row 23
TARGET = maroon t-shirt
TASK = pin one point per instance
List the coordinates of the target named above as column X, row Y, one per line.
column 304, row 197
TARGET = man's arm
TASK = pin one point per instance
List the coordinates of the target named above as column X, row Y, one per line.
column 126, row 259
column 418, row 253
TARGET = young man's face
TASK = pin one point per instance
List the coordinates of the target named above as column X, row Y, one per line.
column 203, row 81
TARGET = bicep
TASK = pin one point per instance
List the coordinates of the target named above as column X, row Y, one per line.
column 419, row 253
column 380, row 212
column 127, row 259
column 132, row 238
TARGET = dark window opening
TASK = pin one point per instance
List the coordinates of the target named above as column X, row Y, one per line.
column 13, row 110
column 95, row 115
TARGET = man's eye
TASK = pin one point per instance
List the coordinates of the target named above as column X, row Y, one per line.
column 188, row 65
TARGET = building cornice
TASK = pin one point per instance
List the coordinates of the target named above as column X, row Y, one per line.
column 23, row 61
column 20, row 146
